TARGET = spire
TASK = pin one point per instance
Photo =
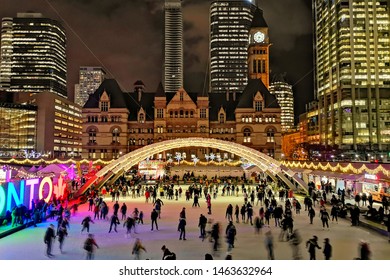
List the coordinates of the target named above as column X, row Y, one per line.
column 160, row 90
column 258, row 19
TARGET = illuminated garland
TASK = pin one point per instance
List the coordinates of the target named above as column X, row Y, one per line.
column 53, row 161
column 337, row 167
column 103, row 162
column 205, row 163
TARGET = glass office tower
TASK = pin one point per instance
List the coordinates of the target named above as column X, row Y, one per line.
column 90, row 79
column 352, row 73
column 230, row 21
column 33, row 57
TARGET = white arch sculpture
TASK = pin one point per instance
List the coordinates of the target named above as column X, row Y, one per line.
column 267, row 164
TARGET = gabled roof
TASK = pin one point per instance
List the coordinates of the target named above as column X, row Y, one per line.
column 134, row 105
column 192, row 95
column 218, row 100
column 253, row 86
column 114, row 92
column 120, row 99
column 258, row 19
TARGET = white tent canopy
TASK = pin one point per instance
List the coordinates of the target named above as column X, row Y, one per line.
column 52, row 169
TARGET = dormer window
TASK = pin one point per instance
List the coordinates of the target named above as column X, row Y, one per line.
column 104, row 106
column 221, row 118
column 258, row 106
column 141, row 118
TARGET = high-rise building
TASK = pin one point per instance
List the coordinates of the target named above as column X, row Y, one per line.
column 90, row 79
column 284, row 94
column 352, row 73
column 58, row 123
column 33, row 57
column 173, row 42
column 230, row 21
column 18, row 124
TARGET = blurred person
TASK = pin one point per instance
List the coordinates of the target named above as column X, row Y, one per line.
column 312, row 245
column 137, row 248
column 327, row 249
column 89, row 246
column 269, row 244
column 49, row 240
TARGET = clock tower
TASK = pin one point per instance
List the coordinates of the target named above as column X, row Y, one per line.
column 258, row 49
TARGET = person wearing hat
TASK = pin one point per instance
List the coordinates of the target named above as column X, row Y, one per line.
column 327, row 249
column 49, row 239
column 312, row 244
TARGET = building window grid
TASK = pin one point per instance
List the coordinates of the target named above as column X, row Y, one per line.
column 104, row 106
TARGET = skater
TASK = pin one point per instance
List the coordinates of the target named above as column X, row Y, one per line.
column 114, row 222
column 312, row 244
column 137, row 248
column 141, row 218
column 295, row 241
column 311, row 214
column 89, row 246
column 49, row 239
column 202, row 226
column 269, row 245
column 327, row 249
column 129, row 224
column 123, row 211
column 182, row 228
column 86, row 223
column 153, row 217
column 62, row 233
column 230, row 235
column 157, row 206
column 325, row 218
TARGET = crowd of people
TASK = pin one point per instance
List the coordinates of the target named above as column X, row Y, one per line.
column 276, row 213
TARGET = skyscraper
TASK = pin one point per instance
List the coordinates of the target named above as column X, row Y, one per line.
column 90, row 79
column 230, row 21
column 352, row 73
column 173, row 43
column 284, row 94
column 33, row 57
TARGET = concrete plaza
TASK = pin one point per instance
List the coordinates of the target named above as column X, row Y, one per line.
column 28, row 244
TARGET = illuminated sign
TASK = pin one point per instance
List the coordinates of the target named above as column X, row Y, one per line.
column 19, row 192
column 370, row 176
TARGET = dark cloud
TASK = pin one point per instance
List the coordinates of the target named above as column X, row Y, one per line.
column 126, row 37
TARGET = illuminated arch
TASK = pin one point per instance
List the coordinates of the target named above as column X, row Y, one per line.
column 266, row 164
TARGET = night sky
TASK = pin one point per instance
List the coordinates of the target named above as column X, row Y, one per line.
column 126, row 38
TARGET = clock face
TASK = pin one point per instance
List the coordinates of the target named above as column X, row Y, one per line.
column 259, row 37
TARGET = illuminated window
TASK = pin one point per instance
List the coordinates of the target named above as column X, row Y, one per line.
column 141, row 118
column 203, row 113
column 247, row 135
column 271, row 135
column 92, row 135
column 160, row 113
column 91, row 153
column 221, row 118
column 115, row 135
